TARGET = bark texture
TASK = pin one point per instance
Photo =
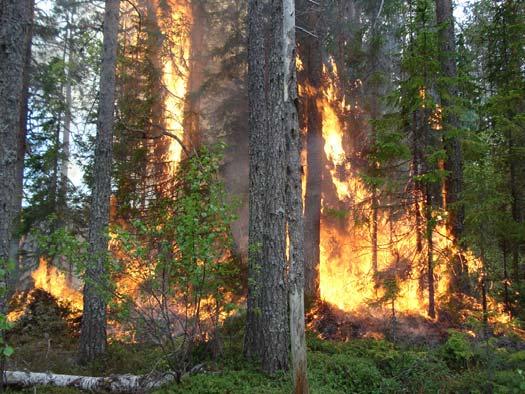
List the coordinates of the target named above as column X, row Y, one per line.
column 257, row 72
column 267, row 330
column 93, row 337
column 274, row 294
column 16, row 20
column 294, row 205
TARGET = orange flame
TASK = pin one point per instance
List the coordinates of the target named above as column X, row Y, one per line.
column 348, row 278
column 175, row 75
column 54, row 281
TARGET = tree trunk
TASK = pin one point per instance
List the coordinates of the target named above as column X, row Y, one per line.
column 452, row 142
column 454, row 162
column 192, row 120
column 294, row 204
column 274, row 292
column 430, row 257
column 310, row 52
column 16, row 20
column 112, row 384
column 66, row 130
column 424, row 139
column 267, row 321
column 506, row 292
column 93, row 330
column 257, row 84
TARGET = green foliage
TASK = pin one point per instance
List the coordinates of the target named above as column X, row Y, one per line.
column 181, row 253
column 62, row 242
column 457, row 351
column 363, row 366
column 65, row 52
column 6, row 267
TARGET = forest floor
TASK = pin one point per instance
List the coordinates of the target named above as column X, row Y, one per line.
column 461, row 363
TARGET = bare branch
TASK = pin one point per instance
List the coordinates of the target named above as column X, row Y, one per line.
column 306, row 31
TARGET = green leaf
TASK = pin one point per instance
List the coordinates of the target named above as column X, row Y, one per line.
column 8, row 351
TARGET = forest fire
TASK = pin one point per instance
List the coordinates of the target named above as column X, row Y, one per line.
column 175, row 74
column 152, row 221
column 53, row 281
column 360, row 270
column 175, row 22
column 56, row 283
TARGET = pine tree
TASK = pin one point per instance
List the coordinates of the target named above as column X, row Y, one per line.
column 16, row 21
column 93, row 335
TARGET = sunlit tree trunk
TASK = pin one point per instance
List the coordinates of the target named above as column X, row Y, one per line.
column 93, row 335
column 294, row 204
column 16, row 21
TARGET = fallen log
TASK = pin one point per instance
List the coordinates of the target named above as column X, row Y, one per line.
column 110, row 384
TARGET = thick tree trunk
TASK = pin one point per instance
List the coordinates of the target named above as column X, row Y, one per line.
column 93, row 330
column 294, row 204
column 267, row 330
column 274, row 292
column 257, row 85
column 310, row 52
column 16, row 19
column 516, row 171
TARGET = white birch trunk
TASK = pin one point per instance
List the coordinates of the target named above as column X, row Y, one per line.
column 113, row 384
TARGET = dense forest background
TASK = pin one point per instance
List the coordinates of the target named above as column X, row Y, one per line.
column 209, row 193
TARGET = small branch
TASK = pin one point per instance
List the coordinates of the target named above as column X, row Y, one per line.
column 379, row 14
column 163, row 132
column 306, row 31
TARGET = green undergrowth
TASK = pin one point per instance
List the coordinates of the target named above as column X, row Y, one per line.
column 368, row 366
column 461, row 364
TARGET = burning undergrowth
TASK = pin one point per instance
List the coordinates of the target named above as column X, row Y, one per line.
column 42, row 314
column 330, row 322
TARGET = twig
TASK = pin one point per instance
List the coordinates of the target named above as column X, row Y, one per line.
column 306, row 31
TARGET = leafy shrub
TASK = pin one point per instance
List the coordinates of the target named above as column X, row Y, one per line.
column 179, row 253
column 457, row 351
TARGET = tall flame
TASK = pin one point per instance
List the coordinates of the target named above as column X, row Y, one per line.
column 349, row 279
column 175, row 75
